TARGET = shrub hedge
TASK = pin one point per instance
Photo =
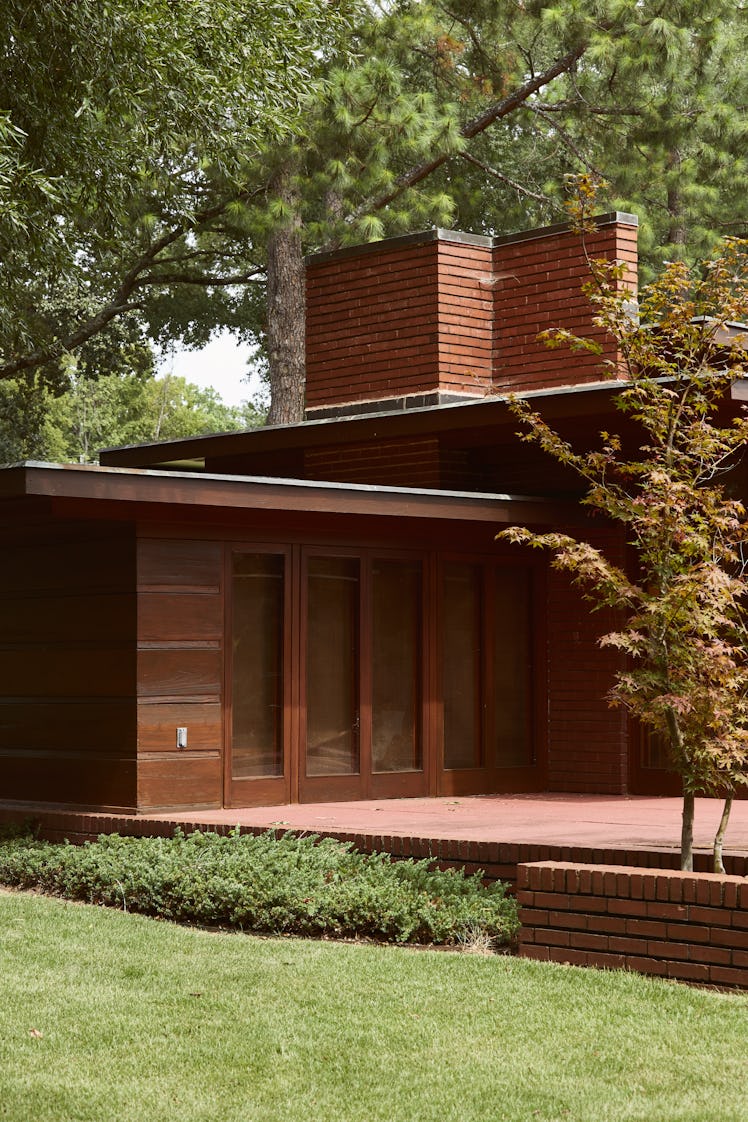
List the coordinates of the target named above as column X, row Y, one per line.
column 293, row 884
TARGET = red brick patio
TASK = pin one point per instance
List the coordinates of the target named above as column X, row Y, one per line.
column 493, row 832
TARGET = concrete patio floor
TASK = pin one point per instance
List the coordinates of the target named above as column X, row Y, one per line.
column 590, row 821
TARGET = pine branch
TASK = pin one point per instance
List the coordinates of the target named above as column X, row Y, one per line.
column 204, row 281
column 504, row 178
column 473, row 128
column 566, row 137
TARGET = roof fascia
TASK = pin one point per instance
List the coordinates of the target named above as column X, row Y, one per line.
column 485, row 411
column 102, row 484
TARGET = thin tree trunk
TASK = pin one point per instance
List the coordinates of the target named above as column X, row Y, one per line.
column 285, row 310
column 719, row 837
column 686, row 834
column 677, row 234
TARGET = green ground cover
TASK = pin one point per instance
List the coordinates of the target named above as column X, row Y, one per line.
column 289, row 885
column 111, row 1016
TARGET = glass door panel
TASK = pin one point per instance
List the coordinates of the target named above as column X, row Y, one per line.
column 461, row 664
column 512, row 734
column 396, row 666
column 257, row 665
column 332, row 666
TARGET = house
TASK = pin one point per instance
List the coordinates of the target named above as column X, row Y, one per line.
column 320, row 611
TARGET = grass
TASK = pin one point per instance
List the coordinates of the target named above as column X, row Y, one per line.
column 110, row 1016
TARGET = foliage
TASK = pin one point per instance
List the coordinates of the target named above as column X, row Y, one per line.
column 159, row 147
column 682, row 607
column 113, row 410
column 126, row 128
column 298, row 885
column 110, row 1017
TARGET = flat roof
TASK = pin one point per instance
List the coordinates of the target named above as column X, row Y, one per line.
column 486, row 411
column 33, row 479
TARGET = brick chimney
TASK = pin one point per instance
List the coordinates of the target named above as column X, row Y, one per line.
column 443, row 316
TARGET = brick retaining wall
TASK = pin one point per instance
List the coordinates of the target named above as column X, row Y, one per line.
column 689, row 926
column 499, row 860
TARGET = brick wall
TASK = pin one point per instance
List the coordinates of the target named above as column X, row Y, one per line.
column 587, row 739
column 386, row 463
column 688, row 926
column 445, row 313
column 538, row 285
column 404, row 316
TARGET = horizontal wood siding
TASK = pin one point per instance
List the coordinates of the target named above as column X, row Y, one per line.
column 538, row 286
column 587, row 739
column 67, row 665
column 180, row 672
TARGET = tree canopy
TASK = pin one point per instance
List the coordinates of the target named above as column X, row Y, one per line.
column 164, row 166
column 125, row 129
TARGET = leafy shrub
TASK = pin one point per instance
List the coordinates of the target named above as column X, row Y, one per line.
column 301, row 885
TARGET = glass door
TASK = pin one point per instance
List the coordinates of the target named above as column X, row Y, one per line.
column 361, row 714
column 259, row 682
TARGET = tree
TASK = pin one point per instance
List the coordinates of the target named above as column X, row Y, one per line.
column 119, row 409
column 471, row 113
column 683, row 604
column 127, row 129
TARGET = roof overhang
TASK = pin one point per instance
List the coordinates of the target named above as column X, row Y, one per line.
column 487, row 412
column 32, row 480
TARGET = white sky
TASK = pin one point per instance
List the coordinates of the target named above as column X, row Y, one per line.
column 221, row 365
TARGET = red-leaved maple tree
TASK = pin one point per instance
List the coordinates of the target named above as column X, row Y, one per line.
column 682, row 603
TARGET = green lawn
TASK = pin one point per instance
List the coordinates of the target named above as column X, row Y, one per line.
column 143, row 1020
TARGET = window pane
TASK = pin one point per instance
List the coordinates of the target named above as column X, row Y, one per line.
column 461, row 665
column 396, row 665
column 332, row 667
column 257, row 636
column 511, row 672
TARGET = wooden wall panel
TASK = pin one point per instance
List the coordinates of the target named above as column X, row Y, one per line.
column 27, row 618
column 192, row 781
column 69, row 779
column 67, row 663
column 159, row 719
column 66, row 670
column 171, row 617
column 64, row 724
column 171, row 564
column 180, row 671
column 171, row 673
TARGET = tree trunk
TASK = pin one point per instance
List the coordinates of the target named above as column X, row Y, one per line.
column 285, row 309
column 677, row 234
column 686, row 833
column 719, row 837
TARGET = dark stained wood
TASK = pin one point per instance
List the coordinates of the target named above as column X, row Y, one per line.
column 64, row 724
column 194, row 617
column 167, row 673
column 172, row 565
column 180, row 671
column 29, row 617
column 190, row 781
column 67, row 670
column 158, row 721
column 67, row 663
column 68, row 779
